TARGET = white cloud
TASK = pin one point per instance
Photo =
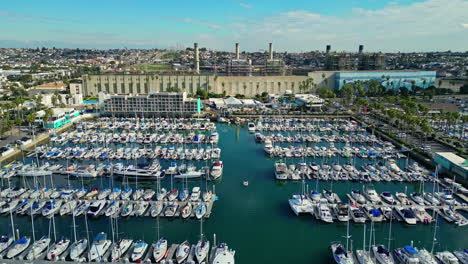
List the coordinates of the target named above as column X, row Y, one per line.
column 245, row 5
column 429, row 25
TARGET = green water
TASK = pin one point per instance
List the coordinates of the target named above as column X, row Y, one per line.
column 256, row 220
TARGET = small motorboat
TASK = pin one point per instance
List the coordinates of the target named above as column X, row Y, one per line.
column 159, row 249
column 182, row 252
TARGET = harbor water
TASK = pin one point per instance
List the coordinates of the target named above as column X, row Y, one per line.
column 256, row 220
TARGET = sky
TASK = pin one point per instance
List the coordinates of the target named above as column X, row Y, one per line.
column 291, row 25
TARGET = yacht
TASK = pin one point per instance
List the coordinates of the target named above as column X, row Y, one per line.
column 9, row 206
column 68, row 207
column 139, row 251
column 341, row 212
column 330, row 196
column 171, row 210
column 200, row 210
column 18, row 247
column 251, row 127
column 430, row 198
column 403, row 199
column 300, row 204
column 201, row 250
column 358, row 197
column 324, row 213
column 38, row 248
column 268, row 148
column 407, row 215
column 223, row 255
column 417, row 198
column 77, row 249
column 96, row 207
column 5, row 242
column 182, row 252
column 51, row 208
column 57, row 249
column 281, row 171
column 156, row 209
column 195, row 195
column 341, row 255
column 372, row 195
column 462, row 255
column 99, row 247
column 422, row 215
column 446, row 257
column 364, row 257
column 372, row 213
column 119, row 249
column 425, row 257
column 357, row 215
column 407, row 255
column 445, row 197
column 159, row 250
column 388, row 198
column 382, row 255
column 216, row 170
column 186, row 210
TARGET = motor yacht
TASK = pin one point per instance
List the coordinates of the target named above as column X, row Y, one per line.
column 139, row 251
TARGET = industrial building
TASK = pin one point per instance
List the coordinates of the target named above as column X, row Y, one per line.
column 269, row 78
column 166, row 104
column 247, row 85
column 451, row 162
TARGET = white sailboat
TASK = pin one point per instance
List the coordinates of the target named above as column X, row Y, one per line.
column 99, row 247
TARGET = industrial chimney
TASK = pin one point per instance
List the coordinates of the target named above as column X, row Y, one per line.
column 237, row 51
column 361, row 49
column 197, row 58
column 270, row 52
column 328, row 49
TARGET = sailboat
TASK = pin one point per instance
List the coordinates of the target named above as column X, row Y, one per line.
column 99, row 247
column 203, row 246
column 58, row 248
column 341, row 255
column 363, row 256
column 18, row 247
column 38, row 248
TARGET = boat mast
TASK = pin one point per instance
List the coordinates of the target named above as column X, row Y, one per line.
column 347, row 233
column 434, row 239
column 32, row 223
column 364, row 239
column 11, row 217
column 390, row 229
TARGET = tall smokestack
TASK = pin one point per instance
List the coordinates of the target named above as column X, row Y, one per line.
column 197, row 58
column 328, row 49
column 237, row 51
column 361, row 49
column 270, row 52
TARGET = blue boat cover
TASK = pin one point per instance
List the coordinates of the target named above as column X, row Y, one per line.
column 410, row 249
column 100, row 236
column 375, row 212
column 23, row 240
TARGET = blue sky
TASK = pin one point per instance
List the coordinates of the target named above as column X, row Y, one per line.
column 293, row 25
